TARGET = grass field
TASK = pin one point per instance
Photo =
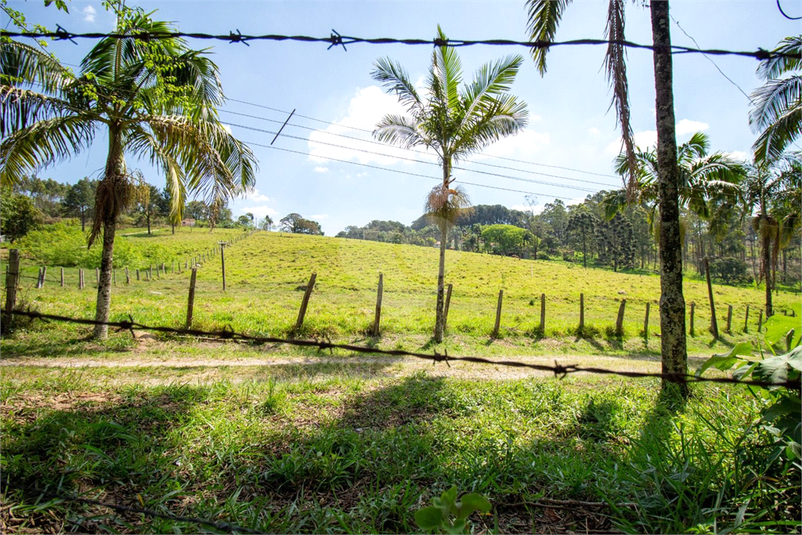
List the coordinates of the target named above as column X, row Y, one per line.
column 276, row 439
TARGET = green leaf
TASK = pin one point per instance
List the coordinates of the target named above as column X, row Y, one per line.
column 779, row 327
column 449, row 497
column 429, row 518
column 473, row 502
column 458, row 527
column 779, row 368
column 728, row 360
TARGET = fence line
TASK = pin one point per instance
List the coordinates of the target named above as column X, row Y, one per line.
column 335, row 39
column 559, row 370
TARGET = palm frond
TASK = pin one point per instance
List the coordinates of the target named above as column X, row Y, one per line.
column 776, row 66
column 490, row 81
column 399, row 130
column 544, row 18
column 773, row 99
column 772, row 142
column 42, row 144
column 21, row 107
column 22, row 65
column 445, row 203
column 448, row 69
column 396, row 79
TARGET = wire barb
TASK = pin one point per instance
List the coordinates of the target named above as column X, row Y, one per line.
column 237, row 38
column 336, row 40
column 63, row 35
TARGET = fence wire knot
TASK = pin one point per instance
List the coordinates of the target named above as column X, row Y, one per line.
column 237, row 38
column 63, row 35
column 561, row 371
column 336, row 39
column 440, row 42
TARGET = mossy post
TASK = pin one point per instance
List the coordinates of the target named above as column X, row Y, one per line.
column 729, row 319
column 693, row 312
column 498, row 313
column 191, row 300
column 304, row 303
column 223, row 263
column 127, row 276
column 62, row 277
column 12, row 278
column 619, row 322
column 713, row 320
column 447, row 304
column 137, row 275
column 646, row 324
column 746, row 320
column 581, row 313
column 377, row 319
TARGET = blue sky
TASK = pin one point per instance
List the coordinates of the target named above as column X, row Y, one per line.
column 570, row 123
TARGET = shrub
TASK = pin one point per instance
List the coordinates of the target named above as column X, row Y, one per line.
column 730, row 271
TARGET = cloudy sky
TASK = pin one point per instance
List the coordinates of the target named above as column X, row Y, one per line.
column 327, row 167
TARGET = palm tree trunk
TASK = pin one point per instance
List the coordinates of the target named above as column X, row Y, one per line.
column 673, row 350
column 440, row 310
column 112, row 180
column 766, row 238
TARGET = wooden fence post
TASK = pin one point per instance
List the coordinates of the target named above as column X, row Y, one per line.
column 81, row 278
column 448, row 304
column 729, row 319
column 127, row 276
column 191, row 300
column 760, row 321
column 150, row 272
column 646, row 324
column 97, row 276
column 305, row 302
column 223, row 264
column 40, row 278
column 498, row 314
column 137, row 274
column 12, row 278
column 542, row 314
column 62, row 277
column 619, row 322
column 746, row 320
column 581, row 313
column 713, row 319
column 377, row 319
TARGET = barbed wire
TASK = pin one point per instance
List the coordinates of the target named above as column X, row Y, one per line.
column 220, row 526
column 335, row 39
column 559, row 370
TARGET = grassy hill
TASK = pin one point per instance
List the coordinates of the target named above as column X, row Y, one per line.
column 267, row 272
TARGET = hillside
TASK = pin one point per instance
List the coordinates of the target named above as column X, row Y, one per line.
column 265, row 273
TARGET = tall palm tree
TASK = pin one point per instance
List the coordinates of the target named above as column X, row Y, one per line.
column 772, row 195
column 454, row 121
column 777, row 112
column 544, row 18
column 156, row 99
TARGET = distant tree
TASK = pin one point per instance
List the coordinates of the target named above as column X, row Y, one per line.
column 150, row 204
column 296, row 224
column 79, row 200
column 616, row 241
column 289, row 222
column 245, row 220
column 581, row 226
column 506, row 239
column 197, row 210
column 18, row 215
column 266, row 223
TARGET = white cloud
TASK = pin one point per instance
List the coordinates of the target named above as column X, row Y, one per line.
column 315, row 217
column 89, row 13
column 739, row 156
column 594, row 131
column 254, row 195
column 526, row 143
column 686, row 126
column 258, row 211
column 365, row 110
column 321, row 169
column 523, row 208
column 227, row 128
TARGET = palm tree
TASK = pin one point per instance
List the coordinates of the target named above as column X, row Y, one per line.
column 544, row 18
column 777, row 112
column 454, row 121
column 156, row 99
column 772, row 195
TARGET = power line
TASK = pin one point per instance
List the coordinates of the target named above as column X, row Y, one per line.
column 375, row 153
column 784, row 14
column 335, row 39
column 374, row 142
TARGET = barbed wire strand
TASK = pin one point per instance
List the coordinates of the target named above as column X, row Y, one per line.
column 558, row 370
column 335, row 39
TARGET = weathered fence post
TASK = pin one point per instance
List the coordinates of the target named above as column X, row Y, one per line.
column 619, row 322
column 760, row 321
column 729, row 319
column 746, row 320
column 498, row 313
column 377, row 319
column 62, row 277
column 137, row 274
column 713, row 319
column 448, row 303
column 12, row 278
column 581, row 313
column 127, row 276
column 305, row 302
column 81, row 278
column 646, row 323
column 223, row 264
column 40, row 278
column 542, row 314
column 693, row 310
column 97, row 276
column 191, row 300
